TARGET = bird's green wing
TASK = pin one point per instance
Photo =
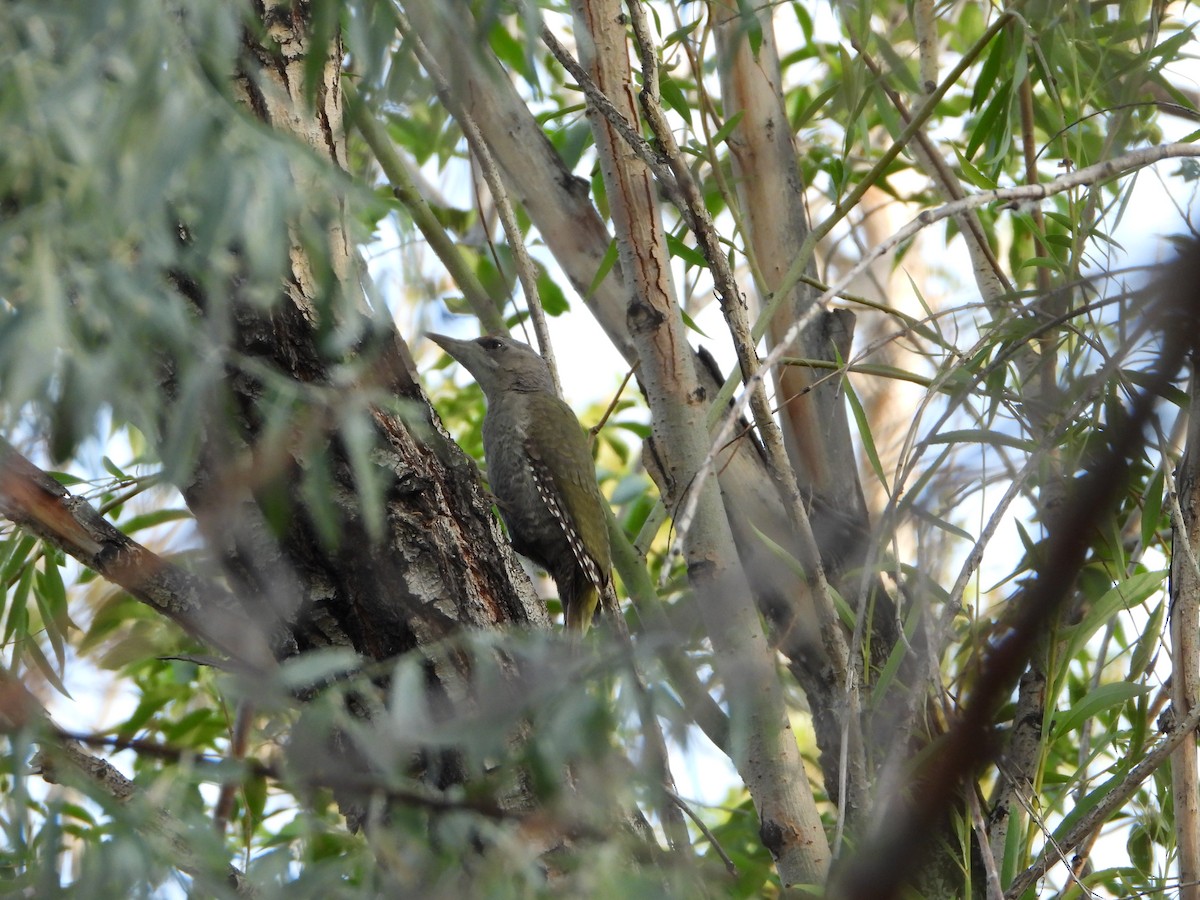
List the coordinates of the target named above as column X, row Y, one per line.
column 566, row 480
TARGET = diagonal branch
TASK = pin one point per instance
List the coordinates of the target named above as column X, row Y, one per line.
column 1184, row 505
column 33, row 500
column 62, row 760
column 765, row 751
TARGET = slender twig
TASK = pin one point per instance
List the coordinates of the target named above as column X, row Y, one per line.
column 526, row 271
column 405, row 190
column 656, row 749
column 706, row 831
column 1113, row 799
column 979, row 826
column 925, row 28
column 612, row 406
column 598, row 101
column 1185, row 677
column 1014, row 196
column 238, row 738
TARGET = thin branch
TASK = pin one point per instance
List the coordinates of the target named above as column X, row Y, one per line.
column 239, row 733
column 33, row 500
column 979, row 826
column 487, row 164
column 1114, row 799
column 655, row 746
column 405, row 190
column 1014, row 196
column 925, row 27
column 629, row 134
column 1183, row 504
column 706, row 831
column 612, row 406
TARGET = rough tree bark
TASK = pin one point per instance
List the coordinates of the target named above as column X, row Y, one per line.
column 766, row 754
column 404, row 554
column 559, row 205
column 1185, row 673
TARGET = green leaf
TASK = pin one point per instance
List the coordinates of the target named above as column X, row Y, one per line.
column 1129, row 593
column 153, row 518
column 864, row 432
column 750, row 26
column 113, row 469
column 1042, row 262
column 66, row 479
column 682, row 32
column 1096, row 701
column 316, row 667
column 19, row 548
column 898, row 69
column 1148, row 642
column 690, row 255
column 992, row 122
column 983, row 436
column 988, row 72
column 1140, row 847
column 51, row 596
column 360, row 441
column 554, row 301
column 1152, row 499
column 254, row 795
column 606, row 264
column 673, row 95
column 727, row 127
column 973, row 174
column 16, row 626
column 690, row 323
column 815, row 106
column 198, row 728
column 32, row 653
column 941, row 523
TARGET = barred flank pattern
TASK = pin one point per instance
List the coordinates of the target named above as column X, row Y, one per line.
column 545, row 488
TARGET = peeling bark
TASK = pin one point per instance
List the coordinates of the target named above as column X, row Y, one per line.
column 1185, row 652
column 765, row 750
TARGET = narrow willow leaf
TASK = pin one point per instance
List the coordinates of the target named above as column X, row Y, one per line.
column 32, row 653
column 864, row 432
column 1096, row 701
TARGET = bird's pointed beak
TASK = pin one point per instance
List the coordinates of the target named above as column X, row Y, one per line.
column 466, row 353
column 456, row 348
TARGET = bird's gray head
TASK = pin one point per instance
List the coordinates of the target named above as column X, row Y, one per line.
column 499, row 363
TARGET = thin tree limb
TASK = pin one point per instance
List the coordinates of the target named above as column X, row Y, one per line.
column 508, row 220
column 33, row 500
column 406, row 191
column 765, row 750
column 1183, row 503
column 1013, row 196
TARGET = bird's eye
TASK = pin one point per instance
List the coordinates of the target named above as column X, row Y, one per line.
column 491, row 343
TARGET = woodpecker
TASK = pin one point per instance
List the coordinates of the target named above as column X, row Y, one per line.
column 540, row 469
